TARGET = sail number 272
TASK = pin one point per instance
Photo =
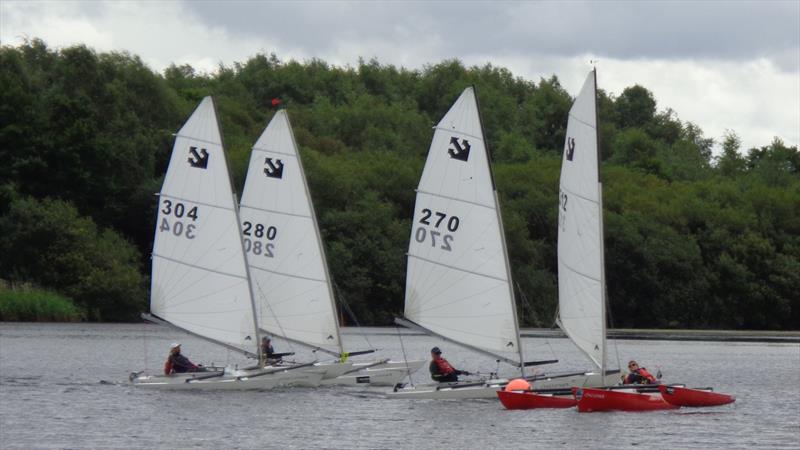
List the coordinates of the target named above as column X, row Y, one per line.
column 175, row 219
column 441, row 224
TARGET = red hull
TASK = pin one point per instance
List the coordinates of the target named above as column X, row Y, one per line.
column 590, row 400
column 681, row 396
column 529, row 400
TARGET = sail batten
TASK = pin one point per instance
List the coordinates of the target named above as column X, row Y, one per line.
column 581, row 282
column 456, row 257
column 289, row 274
column 199, row 278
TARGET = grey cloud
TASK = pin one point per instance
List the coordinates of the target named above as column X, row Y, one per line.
column 735, row 30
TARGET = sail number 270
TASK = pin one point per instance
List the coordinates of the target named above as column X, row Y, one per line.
column 441, row 224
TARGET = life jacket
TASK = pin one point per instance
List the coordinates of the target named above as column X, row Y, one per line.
column 168, row 367
column 643, row 372
column 640, row 376
column 444, row 367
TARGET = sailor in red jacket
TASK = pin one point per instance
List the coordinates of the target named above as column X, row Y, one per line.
column 177, row 363
column 639, row 375
column 440, row 368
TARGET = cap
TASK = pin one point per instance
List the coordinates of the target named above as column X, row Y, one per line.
column 436, row 350
column 174, row 345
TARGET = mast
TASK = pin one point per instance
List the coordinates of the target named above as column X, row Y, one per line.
column 502, row 237
column 319, row 236
column 261, row 359
column 600, row 225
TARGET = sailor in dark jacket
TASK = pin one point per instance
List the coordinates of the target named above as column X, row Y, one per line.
column 267, row 350
column 441, row 370
column 639, row 375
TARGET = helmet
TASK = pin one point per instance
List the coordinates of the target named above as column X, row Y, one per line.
column 436, row 350
column 174, row 345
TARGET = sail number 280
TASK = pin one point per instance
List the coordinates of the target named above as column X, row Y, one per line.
column 256, row 232
column 441, row 224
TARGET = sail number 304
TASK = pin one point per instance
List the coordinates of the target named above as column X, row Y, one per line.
column 442, row 225
column 175, row 219
column 254, row 233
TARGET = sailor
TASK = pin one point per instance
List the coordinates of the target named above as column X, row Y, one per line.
column 639, row 375
column 267, row 350
column 440, row 368
column 177, row 363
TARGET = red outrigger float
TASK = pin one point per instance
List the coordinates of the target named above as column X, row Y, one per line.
column 681, row 396
column 532, row 400
column 591, row 400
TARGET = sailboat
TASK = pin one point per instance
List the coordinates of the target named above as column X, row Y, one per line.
column 581, row 261
column 458, row 286
column 199, row 274
column 458, row 282
column 288, row 269
column 581, row 253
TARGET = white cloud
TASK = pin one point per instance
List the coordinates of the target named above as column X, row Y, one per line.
column 755, row 92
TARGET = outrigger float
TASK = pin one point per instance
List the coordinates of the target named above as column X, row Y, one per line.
column 614, row 398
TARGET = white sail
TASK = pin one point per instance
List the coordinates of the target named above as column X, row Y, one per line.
column 458, row 283
column 199, row 279
column 287, row 266
column 580, row 239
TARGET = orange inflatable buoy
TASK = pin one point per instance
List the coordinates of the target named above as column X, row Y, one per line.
column 518, row 384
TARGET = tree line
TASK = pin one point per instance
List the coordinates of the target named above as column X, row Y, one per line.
column 693, row 240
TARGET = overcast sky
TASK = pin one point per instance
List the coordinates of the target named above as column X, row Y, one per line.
column 722, row 65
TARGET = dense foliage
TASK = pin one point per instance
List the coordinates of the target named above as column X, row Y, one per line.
column 29, row 304
column 692, row 240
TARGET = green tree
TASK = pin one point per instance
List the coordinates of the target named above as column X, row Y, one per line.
column 47, row 242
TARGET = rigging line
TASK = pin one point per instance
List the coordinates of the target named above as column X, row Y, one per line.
column 611, row 325
column 582, row 197
column 423, row 307
column 264, row 150
column 188, row 200
column 350, row 313
column 529, row 305
column 144, row 343
column 462, row 133
column 405, row 357
column 274, row 317
column 196, row 139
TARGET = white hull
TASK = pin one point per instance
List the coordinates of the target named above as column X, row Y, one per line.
column 373, row 377
column 488, row 388
column 388, row 373
column 407, row 366
column 237, row 380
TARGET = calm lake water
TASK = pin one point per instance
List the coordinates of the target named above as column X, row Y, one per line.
column 65, row 386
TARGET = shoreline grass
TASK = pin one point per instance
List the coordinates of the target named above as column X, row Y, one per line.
column 27, row 304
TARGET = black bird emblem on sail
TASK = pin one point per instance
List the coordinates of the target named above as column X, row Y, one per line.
column 459, row 150
column 570, row 148
column 274, row 168
column 199, row 160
